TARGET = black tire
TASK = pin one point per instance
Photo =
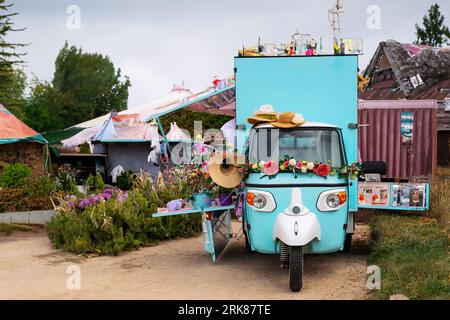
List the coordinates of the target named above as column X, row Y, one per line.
column 347, row 243
column 248, row 248
column 296, row 268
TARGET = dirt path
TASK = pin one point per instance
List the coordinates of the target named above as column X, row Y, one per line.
column 178, row 269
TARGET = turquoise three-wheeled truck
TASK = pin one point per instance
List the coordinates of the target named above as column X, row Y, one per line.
column 293, row 214
column 300, row 214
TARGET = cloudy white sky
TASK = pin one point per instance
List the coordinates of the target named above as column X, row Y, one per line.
column 159, row 42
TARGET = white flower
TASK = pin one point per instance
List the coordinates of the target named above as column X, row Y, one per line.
column 304, row 169
column 310, row 165
column 261, row 164
column 292, row 162
column 255, row 166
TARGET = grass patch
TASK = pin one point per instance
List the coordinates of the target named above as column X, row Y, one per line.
column 8, row 229
column 413, row 254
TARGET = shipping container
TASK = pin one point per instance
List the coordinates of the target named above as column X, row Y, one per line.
column 402, row 133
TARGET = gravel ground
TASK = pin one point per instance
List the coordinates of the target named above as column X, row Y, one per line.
column 177, row 269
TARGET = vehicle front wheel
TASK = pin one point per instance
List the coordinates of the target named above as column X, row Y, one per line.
column 348, row 243
column 296, row 268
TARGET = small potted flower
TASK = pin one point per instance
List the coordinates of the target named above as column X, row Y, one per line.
column 199, row 187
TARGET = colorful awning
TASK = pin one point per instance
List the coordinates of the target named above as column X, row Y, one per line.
column 13, row 130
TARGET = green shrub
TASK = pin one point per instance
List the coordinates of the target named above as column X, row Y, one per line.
column 85, row 148
column 66, row 179
column 95, row 183
column 125, row 180
column 15, row 175
column 42, row 186
column 112, row 226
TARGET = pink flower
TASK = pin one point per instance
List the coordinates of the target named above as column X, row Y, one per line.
column 271, row 168
column 299, row 165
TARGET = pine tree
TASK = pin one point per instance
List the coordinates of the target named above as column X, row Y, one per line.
column 434, row 32
column 9, row 57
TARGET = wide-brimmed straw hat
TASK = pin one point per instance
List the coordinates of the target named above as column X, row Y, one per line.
column 264, row 114
column 224, row 169
column 288, row 120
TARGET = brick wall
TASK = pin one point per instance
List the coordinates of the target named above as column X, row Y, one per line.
column 30, row 153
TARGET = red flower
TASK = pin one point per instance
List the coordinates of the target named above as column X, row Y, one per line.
column 323, row 170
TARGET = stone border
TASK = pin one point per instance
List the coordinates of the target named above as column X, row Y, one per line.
column 27, row 217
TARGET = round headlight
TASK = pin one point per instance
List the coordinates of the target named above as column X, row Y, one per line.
column 333, row 201
column 259, row 201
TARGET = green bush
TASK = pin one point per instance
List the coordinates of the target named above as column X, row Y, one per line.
column 185, row 119
column 125, row 180
column 95, row 183
column 15, row 175
column 66, row 179
column 42, row 186
column 119, row 224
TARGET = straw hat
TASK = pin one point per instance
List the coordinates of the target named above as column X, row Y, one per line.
column 288, row 120
column 224, row 169
column 264, row 114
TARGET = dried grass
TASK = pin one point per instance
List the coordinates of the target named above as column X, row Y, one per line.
column 440, row 197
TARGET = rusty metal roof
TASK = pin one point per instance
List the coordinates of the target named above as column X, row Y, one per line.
column 394, row 66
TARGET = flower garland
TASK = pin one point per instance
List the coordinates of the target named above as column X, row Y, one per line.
column 289, row 165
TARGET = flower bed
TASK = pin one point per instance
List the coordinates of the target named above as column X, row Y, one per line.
column 114, row 221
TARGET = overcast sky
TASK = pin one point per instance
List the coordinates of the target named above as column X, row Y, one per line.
column 158, row 42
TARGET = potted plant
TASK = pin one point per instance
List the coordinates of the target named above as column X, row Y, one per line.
column 199, row 186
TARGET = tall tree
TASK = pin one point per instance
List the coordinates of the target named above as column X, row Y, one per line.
column 47, row 108
column 434, row 32
column 93, row 82
column 84, row 86
column 12, row 93
column 12, row 82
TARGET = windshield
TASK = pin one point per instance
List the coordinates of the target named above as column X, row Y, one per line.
column 322, row 145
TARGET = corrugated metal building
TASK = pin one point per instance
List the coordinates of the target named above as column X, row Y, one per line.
column 382, row 136
column 409, row 71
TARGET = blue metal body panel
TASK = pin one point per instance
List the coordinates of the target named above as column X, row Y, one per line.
column 321, row 88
